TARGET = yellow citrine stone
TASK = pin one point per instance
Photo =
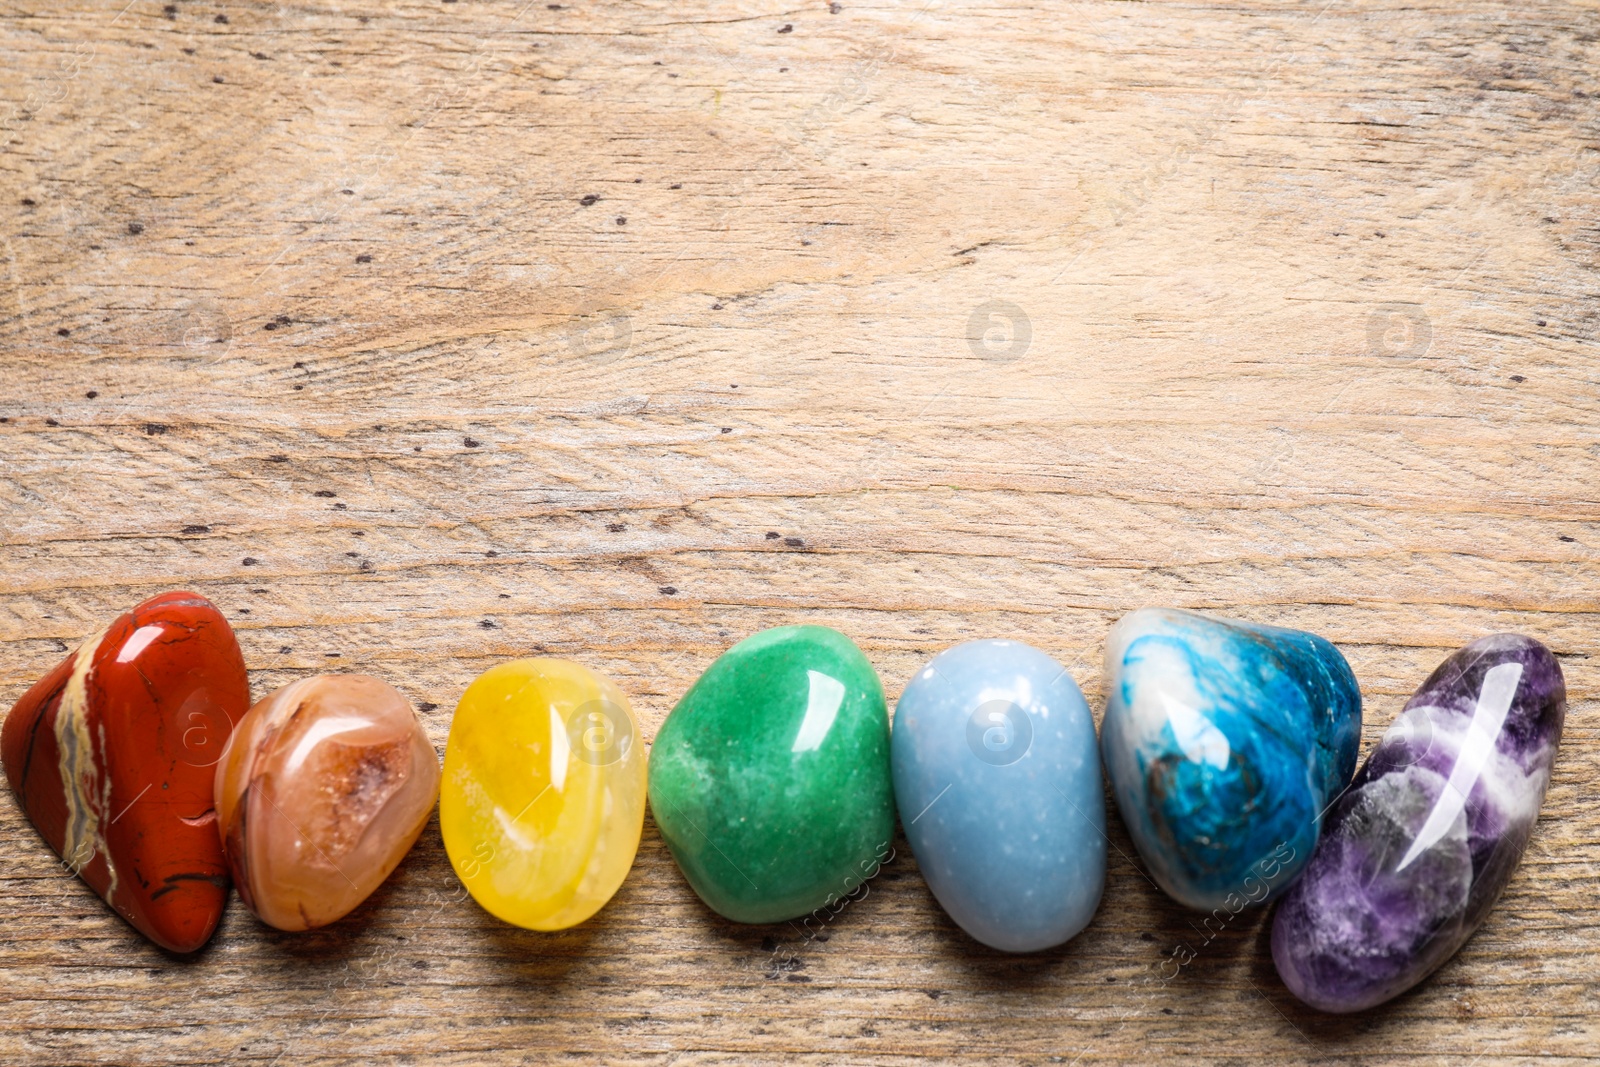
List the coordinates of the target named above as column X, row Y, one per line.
column 543, row 793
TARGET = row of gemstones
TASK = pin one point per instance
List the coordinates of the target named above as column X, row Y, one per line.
column 1231, row 750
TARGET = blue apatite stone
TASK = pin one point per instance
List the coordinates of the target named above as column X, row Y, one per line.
column 998, row 787
column 1225, row 742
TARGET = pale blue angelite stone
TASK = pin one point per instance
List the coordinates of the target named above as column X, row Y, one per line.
column 1225, row 742
column 997, row 781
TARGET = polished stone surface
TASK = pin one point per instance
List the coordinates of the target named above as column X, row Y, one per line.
column 544, row 791
column 323, row 789
column 770, row 778
column 1224, row 741
column 112, row 757
column 1417, row 851
column 997, row 779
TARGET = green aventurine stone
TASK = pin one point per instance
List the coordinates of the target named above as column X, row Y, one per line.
column 770, row 779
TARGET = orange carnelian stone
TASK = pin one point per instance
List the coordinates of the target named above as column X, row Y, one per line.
column 323, row 790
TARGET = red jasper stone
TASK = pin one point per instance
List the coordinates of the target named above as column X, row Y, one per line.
column 113, row 755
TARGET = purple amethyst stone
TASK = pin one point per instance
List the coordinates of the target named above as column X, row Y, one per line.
column 1416, row 851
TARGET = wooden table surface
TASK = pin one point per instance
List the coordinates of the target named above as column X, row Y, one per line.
column 421, row 335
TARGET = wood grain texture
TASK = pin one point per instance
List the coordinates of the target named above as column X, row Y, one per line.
column 420, row 335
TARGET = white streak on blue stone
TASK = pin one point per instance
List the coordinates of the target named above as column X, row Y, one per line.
column 1200, row 741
